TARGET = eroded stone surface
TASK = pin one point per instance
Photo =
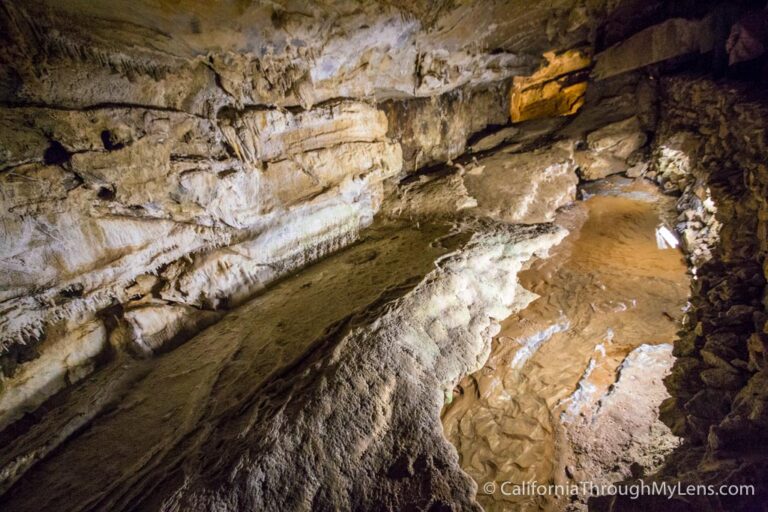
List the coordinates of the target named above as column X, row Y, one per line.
column 286, row 53
column 524, row 188
column 671, row 38
column 220, row 147
column 717, row 381
column 556, row 89
column 609, row 149
column 238, row 401
column 514, row 188
column 618, row 434
column 162, row 164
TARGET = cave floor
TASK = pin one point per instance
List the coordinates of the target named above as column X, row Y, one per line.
column 547, row 406
column 532, row 413
column 113, row 436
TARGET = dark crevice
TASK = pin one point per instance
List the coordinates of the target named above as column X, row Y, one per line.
column 110, row 141
column 72, row 291
column 56, row 154
column 95, row 107
column 106, row 193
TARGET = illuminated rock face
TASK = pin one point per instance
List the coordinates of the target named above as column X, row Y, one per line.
column 556, row 89
column 160, row 165
column 156, row 134
column 609, row 149
column 167, row 168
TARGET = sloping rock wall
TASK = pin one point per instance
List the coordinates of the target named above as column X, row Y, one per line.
column 345, row 392
column 171, row 161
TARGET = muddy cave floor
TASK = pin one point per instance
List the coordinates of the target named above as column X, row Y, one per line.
column 570, row 392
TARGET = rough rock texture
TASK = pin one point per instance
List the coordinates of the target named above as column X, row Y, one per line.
column 718, row 382
column 197, row 57
column 140, row 192
column 676, row 168
column 186, row 156
column 671, row 38
column 162, row 163
column 525, row 188
column 610, row 148
column 620, row 430
column 533, row 412
column 357, row 384
column 70, row 357
column 514, row 188
column 168, row 187
column 435, row 130
column 556, row 89
column 392, row 378
column 281, row 327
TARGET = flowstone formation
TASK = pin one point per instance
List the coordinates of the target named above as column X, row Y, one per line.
column 248, row 250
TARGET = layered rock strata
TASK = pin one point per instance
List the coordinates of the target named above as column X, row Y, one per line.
column 150, row 208
column 556, row 89
column 162, row 164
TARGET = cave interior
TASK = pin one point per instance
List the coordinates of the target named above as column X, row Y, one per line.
column 353, row 255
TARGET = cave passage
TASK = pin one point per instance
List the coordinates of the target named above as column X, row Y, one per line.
column 383, row 256
column 573, row 385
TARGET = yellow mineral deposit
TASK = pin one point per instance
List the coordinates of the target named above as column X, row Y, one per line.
column 556, row 89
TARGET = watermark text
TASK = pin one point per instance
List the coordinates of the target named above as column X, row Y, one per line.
column 634, row 489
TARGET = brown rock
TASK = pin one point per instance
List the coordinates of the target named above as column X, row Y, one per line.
column 719, row 378
column 549, row 92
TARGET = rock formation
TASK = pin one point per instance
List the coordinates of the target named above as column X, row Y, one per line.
column 248, row 250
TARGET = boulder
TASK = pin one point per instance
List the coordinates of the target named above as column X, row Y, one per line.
column 609, row 148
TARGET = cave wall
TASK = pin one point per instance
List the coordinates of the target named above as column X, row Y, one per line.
column 159, row 168
column 162, row 164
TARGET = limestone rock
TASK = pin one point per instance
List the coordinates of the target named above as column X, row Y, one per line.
column 265, row 135
column 494, row 139
column 414, row 335
column 523, row 136
column 551, row 91
column 709, row 142
column 66, row 360
column 678, row 169
column 594, row 166
column 161, row 164
column 719, row 378
column 150, row 329
column 432, row 197
column 619, row 139
column 518, row 188
column 277, row 54
column 622, row 427
column 437, row 130
column 609, row 148
column 171, row 189
column 378, row 388
column 671, row 38
column 523, row 188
